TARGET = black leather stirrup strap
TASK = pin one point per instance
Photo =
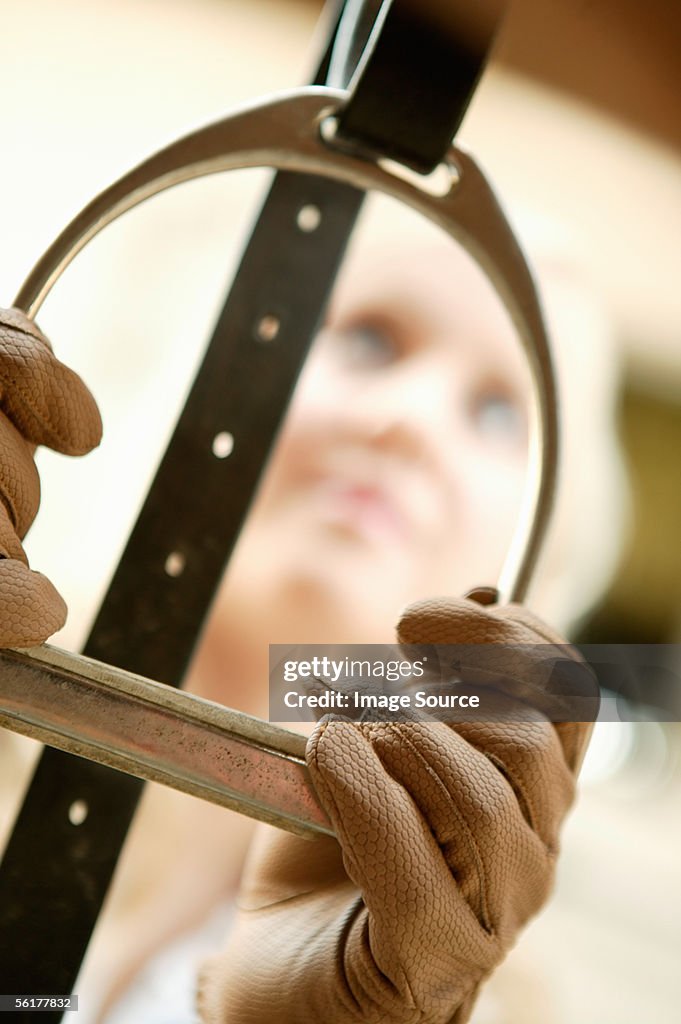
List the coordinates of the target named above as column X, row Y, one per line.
column 416, row 76
column 55, row 874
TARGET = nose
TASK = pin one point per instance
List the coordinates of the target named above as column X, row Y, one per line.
column 407, row 408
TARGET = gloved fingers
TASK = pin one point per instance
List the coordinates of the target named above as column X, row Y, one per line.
column 544, row 678
column 459, row 620
column 420, row 915
column 19, row 484
column 31, row 610
column 471, row 644
column 41, row 402
column 508, row 649
column 479, row 817
column 47, row 402
column 571, row 676
column 530, row 756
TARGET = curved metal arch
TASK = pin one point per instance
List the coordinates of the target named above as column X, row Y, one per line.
column 285, row 133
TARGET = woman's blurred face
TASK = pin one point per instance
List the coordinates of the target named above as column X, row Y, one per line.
column 400, row 468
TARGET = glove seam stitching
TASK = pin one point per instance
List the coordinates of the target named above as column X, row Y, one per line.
column 485, row 918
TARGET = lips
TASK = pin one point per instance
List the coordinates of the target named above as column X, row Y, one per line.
column 367, row 508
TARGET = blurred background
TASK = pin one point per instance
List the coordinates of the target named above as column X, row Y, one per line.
column 576, row 122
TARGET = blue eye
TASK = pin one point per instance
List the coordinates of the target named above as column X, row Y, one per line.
column 366, row 346
column 497, row 416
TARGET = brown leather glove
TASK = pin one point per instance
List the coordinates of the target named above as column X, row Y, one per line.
column 447, row 838
column 41, row 402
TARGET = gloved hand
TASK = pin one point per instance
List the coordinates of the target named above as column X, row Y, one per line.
column 41, row 402
column 447, row 838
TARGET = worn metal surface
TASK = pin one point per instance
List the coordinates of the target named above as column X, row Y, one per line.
column 160, row 734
